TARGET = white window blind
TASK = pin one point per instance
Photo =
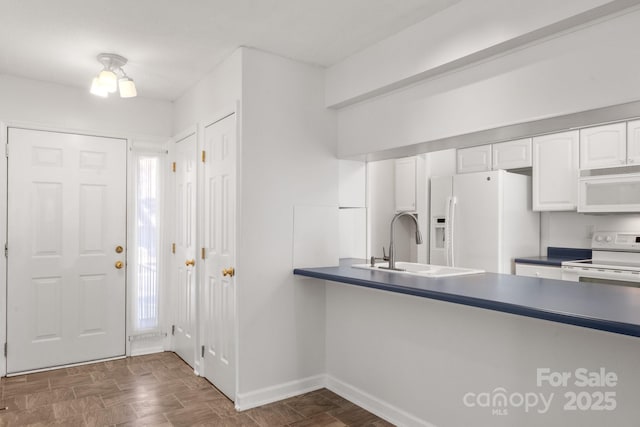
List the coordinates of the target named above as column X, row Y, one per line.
column 146, row 275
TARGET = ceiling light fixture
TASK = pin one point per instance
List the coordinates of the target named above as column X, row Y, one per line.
column 112, row 77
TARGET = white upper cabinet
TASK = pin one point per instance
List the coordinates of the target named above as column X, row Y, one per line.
column 633, row 142
column 474, row 159
column 555, row 172
column 512, row 154
column 406, row 184
column 603, row 146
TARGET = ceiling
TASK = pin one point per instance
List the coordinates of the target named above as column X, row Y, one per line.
column 172, row 44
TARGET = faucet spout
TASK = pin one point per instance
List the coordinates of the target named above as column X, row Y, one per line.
column 392, row 255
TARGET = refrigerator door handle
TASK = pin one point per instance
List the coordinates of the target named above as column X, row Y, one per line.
column 451, row 221
column 448, row 232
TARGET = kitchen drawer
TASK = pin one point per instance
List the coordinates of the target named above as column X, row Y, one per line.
column 536, row 270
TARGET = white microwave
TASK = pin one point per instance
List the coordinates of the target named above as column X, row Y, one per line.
column 609, row 193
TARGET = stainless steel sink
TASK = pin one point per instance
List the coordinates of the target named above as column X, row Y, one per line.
column 424, row 270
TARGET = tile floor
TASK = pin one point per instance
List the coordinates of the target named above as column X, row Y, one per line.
column 156, row 390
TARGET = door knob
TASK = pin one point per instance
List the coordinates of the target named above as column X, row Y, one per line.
column 119, row 265
column 119, row 249
column 229, row 272
column 190, row 262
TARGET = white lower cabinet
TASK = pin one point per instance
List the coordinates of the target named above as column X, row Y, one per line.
column 536, row 270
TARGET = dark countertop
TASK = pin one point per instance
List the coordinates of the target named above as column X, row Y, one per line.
column 604, row 307
column 556, row 256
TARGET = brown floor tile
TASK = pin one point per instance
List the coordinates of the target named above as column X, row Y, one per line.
column 155, row 420
column 275, row 414
column 97, row 388
column 161, row 404
column 42, row 414
column 310, row 404
column 71, row 408
column 22, row 388
column 240, row 420
column 110, row 416
column 319, row 420
column 223, row 407
column 48, row 397
column 354, row 415
column 190, row 397
column 77, row 421
column 338, row 400
column 157, row 390
column 70, row 381
column 196, row 415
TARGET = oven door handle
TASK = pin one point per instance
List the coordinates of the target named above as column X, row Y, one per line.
column 574, row 274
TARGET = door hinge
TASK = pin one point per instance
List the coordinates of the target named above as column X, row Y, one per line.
column 173, row 329
column 204, row 156
column 173, row 248
column 202, row 351
column 202, row 254
column 173, row 167
column 5, row 349
column 6, row 150
column 6, row 250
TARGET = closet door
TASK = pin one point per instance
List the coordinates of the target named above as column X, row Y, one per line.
column 219, row 284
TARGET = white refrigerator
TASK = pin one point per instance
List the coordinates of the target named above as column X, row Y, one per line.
column 482, row 220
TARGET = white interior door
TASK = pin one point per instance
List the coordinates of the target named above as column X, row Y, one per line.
column 66, row 279
column 185, row 252
column 219, row 264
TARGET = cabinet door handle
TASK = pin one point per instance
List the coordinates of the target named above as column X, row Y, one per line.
column 190, row 262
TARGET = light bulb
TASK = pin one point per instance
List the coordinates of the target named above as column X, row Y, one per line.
column 127, row 87
column 108, row 80
column 97, row 89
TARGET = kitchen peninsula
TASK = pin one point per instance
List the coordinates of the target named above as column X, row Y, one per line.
column 604, row 307
column 412, row 348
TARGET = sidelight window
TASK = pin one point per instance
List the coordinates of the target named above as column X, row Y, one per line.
column 147, row 234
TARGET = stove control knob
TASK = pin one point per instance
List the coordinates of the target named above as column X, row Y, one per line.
column 598, row 238
column 609, row 238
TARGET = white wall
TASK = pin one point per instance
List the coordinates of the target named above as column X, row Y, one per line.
column 70, row 108
column 288, row 159
column 465, row 32
column 573, row 230
column 216, row 93
column 595, row 66
column 414, row 359
column 381, row 190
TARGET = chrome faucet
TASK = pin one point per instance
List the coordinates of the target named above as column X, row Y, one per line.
column 392, row 254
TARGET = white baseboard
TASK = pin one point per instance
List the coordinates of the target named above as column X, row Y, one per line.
column 147, row 350
column 371, row 403
column 278, row 392
column 374, row 405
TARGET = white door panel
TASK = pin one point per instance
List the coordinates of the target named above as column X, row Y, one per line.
column 219, row 243
column 185, row 256
column 66, row 215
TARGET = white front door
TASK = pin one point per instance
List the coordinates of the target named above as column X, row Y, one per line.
column 66, row 273
column 219, row 264
column 185, row 253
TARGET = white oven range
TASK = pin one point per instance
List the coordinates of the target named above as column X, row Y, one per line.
column 615, row 260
